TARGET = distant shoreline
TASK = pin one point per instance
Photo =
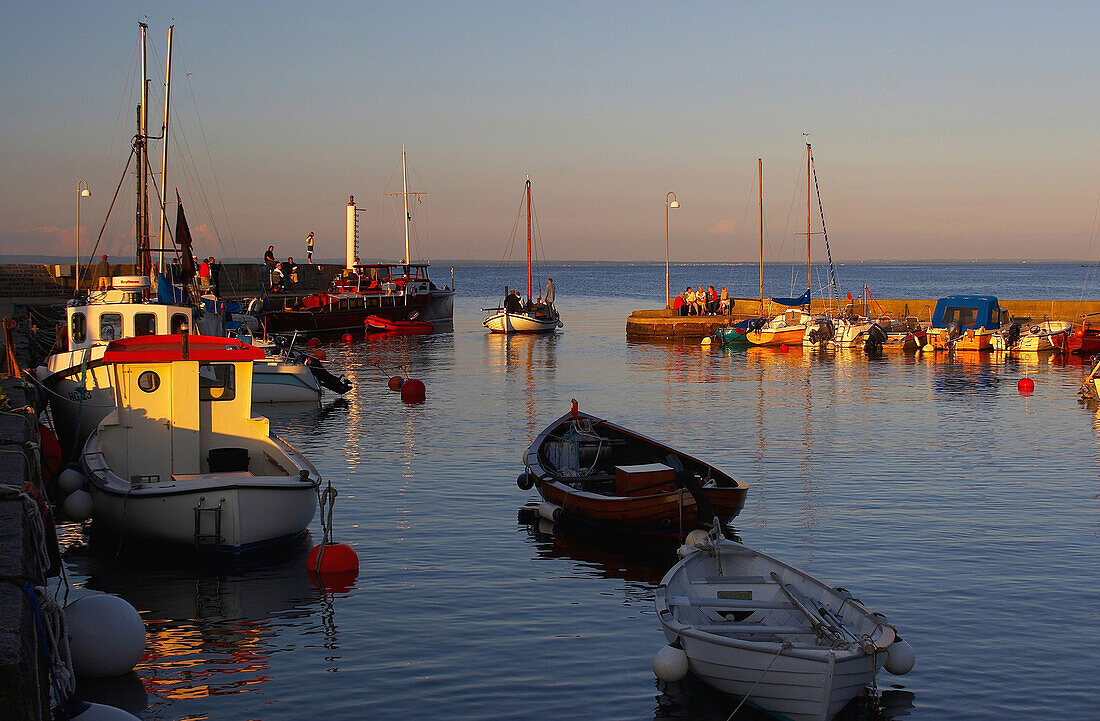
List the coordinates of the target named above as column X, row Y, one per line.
column 57, row 260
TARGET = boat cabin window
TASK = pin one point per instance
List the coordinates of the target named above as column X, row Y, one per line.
column 110, row 326
column 148, row 381
column 216, row 382
column 179, row 320
column 79, row 328
column 145, row 324
column 962, row 316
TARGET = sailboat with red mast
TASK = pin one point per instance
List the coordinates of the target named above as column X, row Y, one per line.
column 518, row 317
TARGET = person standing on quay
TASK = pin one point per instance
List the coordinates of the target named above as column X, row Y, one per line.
column 272, row 264
column 309, row 247
column 548, row 296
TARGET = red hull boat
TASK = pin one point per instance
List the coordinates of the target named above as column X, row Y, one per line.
column 374, row 322
column 594, row 471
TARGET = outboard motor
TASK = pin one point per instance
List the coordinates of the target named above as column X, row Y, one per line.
column 339, row 385
column 876, row 338
column 826, row 330
column 1012, row 335
column 954, row 330
column 757, row 323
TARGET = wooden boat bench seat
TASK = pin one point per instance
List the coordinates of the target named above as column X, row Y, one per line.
column 732, row 580
column 730, row 603
column 742, row 627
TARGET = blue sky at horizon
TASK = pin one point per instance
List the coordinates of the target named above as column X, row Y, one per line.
column 940, row 130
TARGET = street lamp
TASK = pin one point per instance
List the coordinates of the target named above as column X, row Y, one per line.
column 674, row 204
column 81, row 192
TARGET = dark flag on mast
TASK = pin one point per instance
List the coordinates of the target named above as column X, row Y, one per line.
column 183, row 239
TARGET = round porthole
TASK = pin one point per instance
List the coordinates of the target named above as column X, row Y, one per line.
column 148, row 381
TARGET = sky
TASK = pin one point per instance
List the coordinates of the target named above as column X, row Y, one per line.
column 960, row 130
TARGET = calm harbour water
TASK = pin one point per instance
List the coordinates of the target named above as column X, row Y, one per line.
column 936, row 492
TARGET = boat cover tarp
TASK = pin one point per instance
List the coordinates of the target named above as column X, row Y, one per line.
column 969, row 311
column 803, row 299
column 168, row 293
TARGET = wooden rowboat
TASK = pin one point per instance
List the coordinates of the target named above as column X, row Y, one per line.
column 751, row 625
column 591, row 470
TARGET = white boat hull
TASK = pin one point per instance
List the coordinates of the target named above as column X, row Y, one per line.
column 850, row 334
column 505, row 322
column 1044, row 337
column 276, row 382
column 232, row 512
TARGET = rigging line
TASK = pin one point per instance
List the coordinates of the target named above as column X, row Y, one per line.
column 113, row 199
column 210, row 158
column 790, row 211
column 829, row 253
column 739, row 233
column 1090, row 269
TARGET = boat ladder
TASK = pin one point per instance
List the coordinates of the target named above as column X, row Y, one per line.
column 215, row 515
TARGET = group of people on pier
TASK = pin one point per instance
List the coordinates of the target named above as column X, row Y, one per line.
column 703, row 302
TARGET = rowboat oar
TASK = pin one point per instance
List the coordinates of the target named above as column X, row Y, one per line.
column 822, row 627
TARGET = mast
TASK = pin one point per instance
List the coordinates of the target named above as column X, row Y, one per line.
column 760, row 185
column 405, row 194
column 528, row 189
column 143, row 165
column 808, row 279
column 164, row 147
column 139, row 156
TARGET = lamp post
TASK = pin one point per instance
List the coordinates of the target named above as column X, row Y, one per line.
column 674, row 204
column 81, row 192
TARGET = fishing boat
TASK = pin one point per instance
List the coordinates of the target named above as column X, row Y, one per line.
column 965, row 323
column 181, row 459
column 410, row 327
column 758, row 628
column 1085, row 338
column 594, row 471
column 401, row 291
column 515, row 315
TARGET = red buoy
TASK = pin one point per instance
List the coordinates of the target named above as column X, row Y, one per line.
column 396, row 382
column 337, row 558
column 412, row 391
column 783, row 348
column 320, row 354
column 313, row 342
column 1025, row 385
column 347, row 337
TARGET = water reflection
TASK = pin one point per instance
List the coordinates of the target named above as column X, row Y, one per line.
column 523, row 357
column 692, row 700
column 212, row 624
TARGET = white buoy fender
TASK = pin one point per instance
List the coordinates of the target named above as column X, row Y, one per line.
column 71, row 479
column 101, row 712
column 694, row 537
column 106, row 635
column 670, row 664
column 77, row 506
column 900, row 657
column 550, row 511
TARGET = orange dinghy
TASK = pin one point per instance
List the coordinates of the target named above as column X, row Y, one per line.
column 594, row 471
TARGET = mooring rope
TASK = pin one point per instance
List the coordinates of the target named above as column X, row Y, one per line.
column 782, row 647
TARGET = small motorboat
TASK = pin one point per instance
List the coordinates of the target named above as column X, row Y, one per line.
column 182, row 460
column 1041, row 337
column 904, row 335
column 591, row 470
column 751, row 625
column 965, row 323
column 737, row 334
column 410, row 327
